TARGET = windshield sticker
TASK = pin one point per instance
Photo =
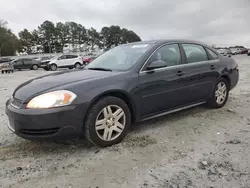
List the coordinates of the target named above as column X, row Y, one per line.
column 140, row 46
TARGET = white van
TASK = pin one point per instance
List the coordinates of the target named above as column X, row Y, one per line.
column 65, row 61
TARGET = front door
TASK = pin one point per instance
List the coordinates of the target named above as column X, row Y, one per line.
column 18, row 64
column 158, row 89
column 61, row 61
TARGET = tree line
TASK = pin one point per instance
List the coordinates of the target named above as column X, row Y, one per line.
column 51, row 38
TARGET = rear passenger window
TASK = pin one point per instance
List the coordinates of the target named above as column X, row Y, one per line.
column 212, row 54
column 169, row 53
column 71, row 56
column 194, row 53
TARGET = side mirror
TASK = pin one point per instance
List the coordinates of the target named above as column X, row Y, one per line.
column 157, row 64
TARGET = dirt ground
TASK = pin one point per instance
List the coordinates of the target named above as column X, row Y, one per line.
column 198, row 147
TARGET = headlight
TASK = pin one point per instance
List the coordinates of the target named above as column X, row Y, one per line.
column 52, row 99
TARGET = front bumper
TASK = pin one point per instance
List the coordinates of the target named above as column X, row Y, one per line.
column 56, row 124
column 43, row 66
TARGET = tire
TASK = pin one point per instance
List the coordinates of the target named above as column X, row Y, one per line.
column 70, row 68
column 214, row 101
column 12, row 71
column 34, row 67
column 77, row 65
column 97, row 110
column 2, row 72
column 6, row 71
column 53, row 67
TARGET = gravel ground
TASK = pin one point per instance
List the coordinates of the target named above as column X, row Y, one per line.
column 198, row 147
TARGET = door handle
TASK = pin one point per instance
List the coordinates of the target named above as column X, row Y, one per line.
column 212, row 67
column 179, row 73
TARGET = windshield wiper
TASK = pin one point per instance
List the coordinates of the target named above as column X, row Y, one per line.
column 100, row 68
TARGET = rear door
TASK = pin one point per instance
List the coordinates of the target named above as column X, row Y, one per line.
column 197, row 74
column 71, row 60
column 27, row 63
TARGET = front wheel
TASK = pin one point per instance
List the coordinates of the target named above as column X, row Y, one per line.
column 53, row 67
column 107, row 121
column 220, row 94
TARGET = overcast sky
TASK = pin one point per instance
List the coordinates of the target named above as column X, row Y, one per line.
column 220, row 22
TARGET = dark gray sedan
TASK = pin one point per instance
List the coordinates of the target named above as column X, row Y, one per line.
column 129, row 83
column 26, row 63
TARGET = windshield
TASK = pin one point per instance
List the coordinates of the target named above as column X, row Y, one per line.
column 120, row 58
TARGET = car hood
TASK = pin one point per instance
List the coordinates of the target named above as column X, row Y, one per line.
column 39, row 85
column 52, row 61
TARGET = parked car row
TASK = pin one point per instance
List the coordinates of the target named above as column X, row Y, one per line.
column 225, row 52
column 233, row 51
column 50, row 63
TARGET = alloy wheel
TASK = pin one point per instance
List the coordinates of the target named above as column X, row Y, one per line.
column 53, row 67
column 110, row 123
column 77, row 66
column 221, row 93
column 35, row 67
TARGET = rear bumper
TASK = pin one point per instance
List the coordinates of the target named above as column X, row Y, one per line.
column 50, row 124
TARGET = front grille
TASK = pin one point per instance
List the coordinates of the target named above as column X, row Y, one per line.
column 40, row 132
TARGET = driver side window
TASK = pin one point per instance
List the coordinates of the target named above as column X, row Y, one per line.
column 169, row 53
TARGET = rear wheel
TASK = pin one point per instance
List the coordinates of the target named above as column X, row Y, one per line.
column 77, row 65
column 107, row 121
column 220, row 94
column 34, row 67
column 53, row 67
column 2, row 72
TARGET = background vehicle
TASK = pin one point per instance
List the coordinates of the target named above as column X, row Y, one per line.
column 129, row 83
column 225, row 52
column 26, row 63
column 244, row 50
column 234, row 51
column 64, row 61
column 87, row 60
column 6, row 67
column 248, row 53
column 5, row 59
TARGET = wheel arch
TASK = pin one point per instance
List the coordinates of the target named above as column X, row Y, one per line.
column 34, row 64
column 77, row 62
column 119, row 94
column 227, row 78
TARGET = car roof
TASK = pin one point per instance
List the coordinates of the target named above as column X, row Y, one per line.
column 160, row 41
